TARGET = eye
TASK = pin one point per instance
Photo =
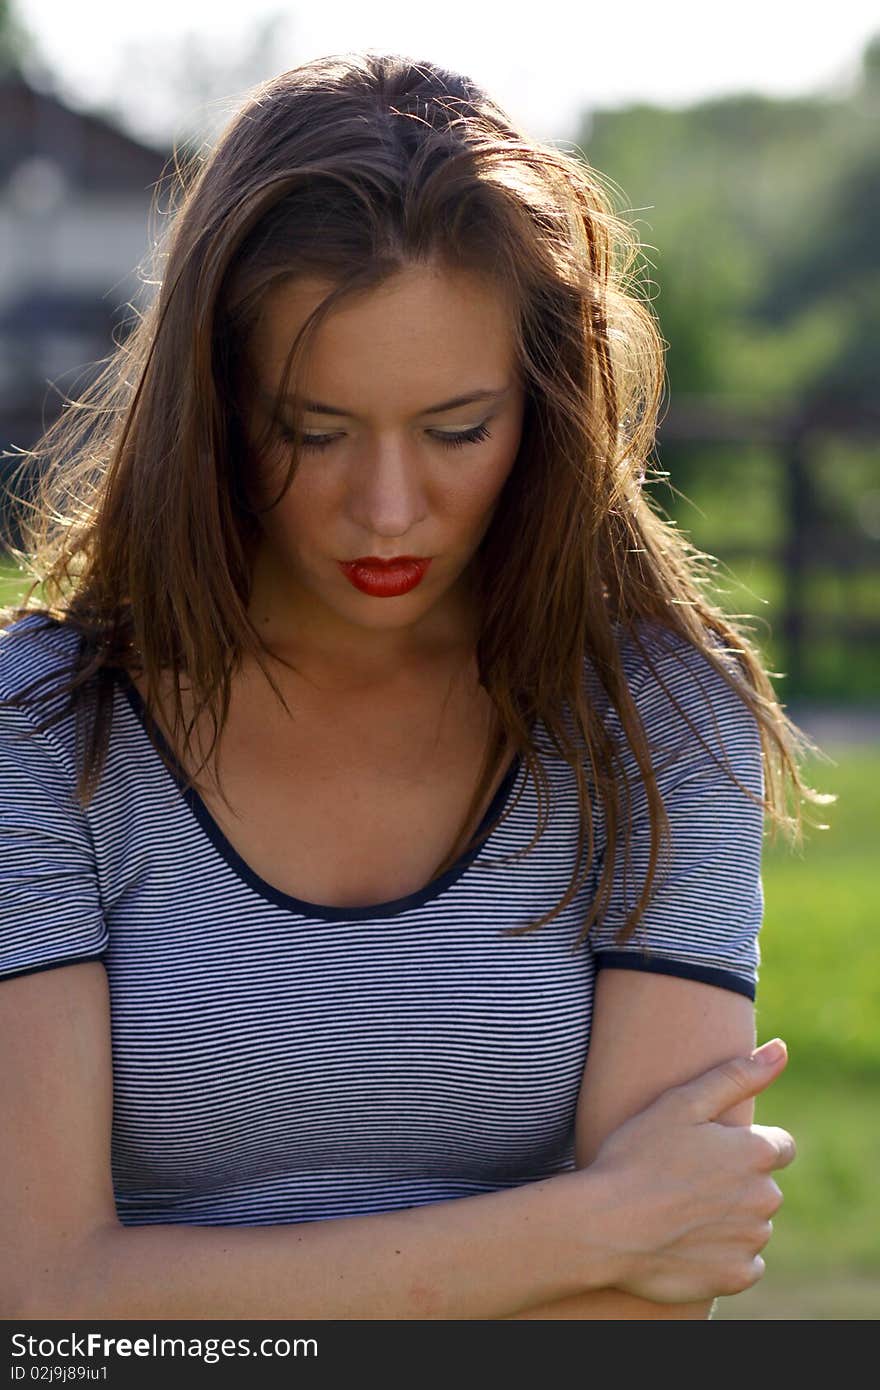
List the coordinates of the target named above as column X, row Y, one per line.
column 474, row 436
column 307, row 441
column 449, row 441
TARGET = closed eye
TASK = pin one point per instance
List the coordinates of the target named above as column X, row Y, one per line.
column 449, row 441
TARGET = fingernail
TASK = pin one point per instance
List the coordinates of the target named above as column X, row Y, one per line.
column 769, row 1052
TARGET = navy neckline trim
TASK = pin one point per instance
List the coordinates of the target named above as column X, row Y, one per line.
column 375, row 911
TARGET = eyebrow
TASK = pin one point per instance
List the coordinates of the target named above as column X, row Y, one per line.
column 321, row 407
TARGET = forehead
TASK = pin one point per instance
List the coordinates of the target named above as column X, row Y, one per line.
column 421, row 330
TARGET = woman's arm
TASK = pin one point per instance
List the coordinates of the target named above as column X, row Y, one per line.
column 63, row 1253
column 649, row 1032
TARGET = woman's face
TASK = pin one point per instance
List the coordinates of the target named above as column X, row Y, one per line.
column 380, row 471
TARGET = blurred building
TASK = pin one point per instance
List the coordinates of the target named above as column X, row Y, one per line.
column 75, row 199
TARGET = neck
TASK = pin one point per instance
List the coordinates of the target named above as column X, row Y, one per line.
column 334, row 655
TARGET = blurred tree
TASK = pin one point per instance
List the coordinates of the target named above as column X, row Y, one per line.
column 16, row 43
column 759, row 216
column 726, row 184
column 871, row 67
column 836, row 269
column 183, row 90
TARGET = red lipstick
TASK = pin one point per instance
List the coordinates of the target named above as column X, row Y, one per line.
column 385, row 578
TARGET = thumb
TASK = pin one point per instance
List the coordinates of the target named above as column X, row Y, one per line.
column 721, row 1087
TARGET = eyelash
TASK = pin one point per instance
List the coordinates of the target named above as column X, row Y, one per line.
column 449, row 441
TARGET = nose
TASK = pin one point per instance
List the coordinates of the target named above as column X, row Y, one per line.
column 387, row 496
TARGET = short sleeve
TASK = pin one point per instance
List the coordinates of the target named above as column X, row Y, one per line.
column 50, row 907
column 705, row 913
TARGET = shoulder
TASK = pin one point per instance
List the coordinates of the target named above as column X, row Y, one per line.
column 34, row 647
column 665, row 670
column 38, row 729
column 652, row 655
column 696, row 715
column 52, row 911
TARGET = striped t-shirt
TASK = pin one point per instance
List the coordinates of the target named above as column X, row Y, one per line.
column 276, row 1060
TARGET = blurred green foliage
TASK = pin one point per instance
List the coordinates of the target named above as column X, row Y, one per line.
column 15, row 40
column 758, row 219
column 763, row 213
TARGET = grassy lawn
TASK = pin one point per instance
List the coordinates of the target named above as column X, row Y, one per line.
column 820, row 976
column 824, row 1258
column 12, row 582
column 820, row 990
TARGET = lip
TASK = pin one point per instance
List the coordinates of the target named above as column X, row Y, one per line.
column 375, row 560
column 385, row 578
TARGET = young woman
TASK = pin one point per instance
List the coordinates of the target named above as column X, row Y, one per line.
column 383, row 795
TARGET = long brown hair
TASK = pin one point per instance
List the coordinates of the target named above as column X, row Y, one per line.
column 351, row 168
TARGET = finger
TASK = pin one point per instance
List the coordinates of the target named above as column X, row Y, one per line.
column 722, row 1087
column 776, row 1148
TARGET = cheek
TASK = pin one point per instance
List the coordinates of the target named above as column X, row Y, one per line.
column 303, row 517
column 268, row 472
column 490, row 482
column 468, row 489
column 298, row 514
column 485, row 492
column 493, row 473
column 305, row 493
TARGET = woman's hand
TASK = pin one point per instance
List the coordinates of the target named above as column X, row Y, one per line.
column 691, row 1200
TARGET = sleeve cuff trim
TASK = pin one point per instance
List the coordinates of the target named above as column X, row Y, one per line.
column 664, row 965
column 50, row 965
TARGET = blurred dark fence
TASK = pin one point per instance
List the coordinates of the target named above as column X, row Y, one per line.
column 819, row 544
